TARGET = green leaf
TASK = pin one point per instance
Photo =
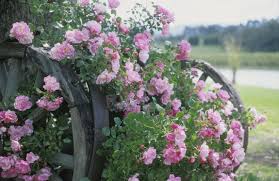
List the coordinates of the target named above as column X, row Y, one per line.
column 106, row 131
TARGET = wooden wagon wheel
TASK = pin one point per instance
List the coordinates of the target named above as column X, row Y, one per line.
column 87, row 109
column 208, row 71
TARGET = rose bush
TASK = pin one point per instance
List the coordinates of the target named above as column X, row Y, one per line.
column 172, row 127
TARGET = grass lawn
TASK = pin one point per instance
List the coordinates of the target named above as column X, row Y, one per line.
column 217, row 56
column 262, row 159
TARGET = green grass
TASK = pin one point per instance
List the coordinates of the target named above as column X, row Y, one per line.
column 217, row 56
column 262, row 160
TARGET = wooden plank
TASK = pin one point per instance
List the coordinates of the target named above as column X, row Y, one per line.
column 11, row 49
column 101, row 120
column 13, row 78
column 64, row 160
column 80, row 150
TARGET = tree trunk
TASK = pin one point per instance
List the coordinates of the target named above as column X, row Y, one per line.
column 12, row 11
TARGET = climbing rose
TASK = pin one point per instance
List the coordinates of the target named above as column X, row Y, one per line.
column 184, row 50
column 10, row 117
column 123, row 28
column 112, row 39
column 6, row 163
column 50, row 105
column 84, row 3
column 15, row 145
column 99, row 8
column 223, row 95
column 31, row 157
column 204, row 152
column 142, row 41
column 143, row 56
column 149, row 155
column 51, row 84
column 113, row 4
column 105, row 77
column 61, row 51
column 22, row 33
column 173, row 178
column 22, row 103
column 22, row 167
column 134, row 177
column 77, row 36
column 43, row 174
column 176, row 104
column 94, row 45
column 94, row 27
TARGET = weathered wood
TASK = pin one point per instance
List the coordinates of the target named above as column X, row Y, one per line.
column 101, row 120
column 80, row 151
column 11, row 49
column 13, row 78
column 64, row 160
column 55, row 178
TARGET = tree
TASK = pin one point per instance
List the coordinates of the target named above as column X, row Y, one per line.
column 232, row 47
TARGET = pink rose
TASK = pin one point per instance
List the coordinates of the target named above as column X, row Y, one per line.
column 99, row 8
column 43, row 174
column 10, row 117
column 77, row 36
column 22, row 167
column 173, row 178
column 15, row 145
column 94, row 27
column 51, row 84
column 22, row 103
column 149, row 155
column 112, row 39
column 105, row 77
column 84, row 3
column 22, row 33
column 31, row 157
column 176, row 104
column 113, row 4
column 143, row 56
column 204, row 152
column 94, row 45
column 6, row 163
column 223, row 95
column 134, row 177
column 11, row 173
column 184, row 50
column 123, row 28
column 61, row 51
column 142, row 41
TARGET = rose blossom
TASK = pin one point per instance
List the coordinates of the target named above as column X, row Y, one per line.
column 51, row 84
column 31, row 157
column 142, row 41
column 94, row 27
column 99, row 8
column 22, row 103
column 123, row 28
column 173, row 178
column 113, row 4
column 84, row 3
column 61, row 51
column 49, row 105
column 15, row 145
column 22, row 33
column 184, row 50
column 149, row 155
column 105, row 77
column 22, row 167
column 43, row 174
column 10, row 117
column 176, row 104
column 6, row 163
column 77, row 36
column 204, row 152
column 143, row 56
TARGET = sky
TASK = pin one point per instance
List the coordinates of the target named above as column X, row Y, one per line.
column 205, row 12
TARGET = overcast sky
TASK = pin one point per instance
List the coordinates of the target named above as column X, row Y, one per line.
column 196, row 12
